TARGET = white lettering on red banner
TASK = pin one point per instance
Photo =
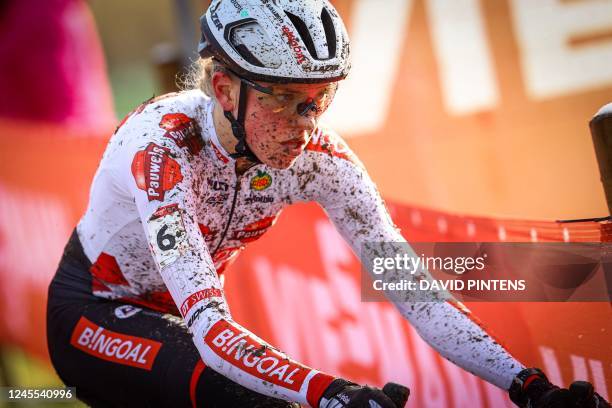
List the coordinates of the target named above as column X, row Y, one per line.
column 237, row 348
column 115, row 347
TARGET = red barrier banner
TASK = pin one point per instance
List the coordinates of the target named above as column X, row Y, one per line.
column 45, row 172
column 303, row 286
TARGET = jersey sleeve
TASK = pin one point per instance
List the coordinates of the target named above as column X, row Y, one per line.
column 334, row 177
column 164, row 180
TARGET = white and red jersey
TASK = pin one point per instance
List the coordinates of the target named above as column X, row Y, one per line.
column 168, row 212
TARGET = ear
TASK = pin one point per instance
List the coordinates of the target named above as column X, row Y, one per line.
column 226, row 90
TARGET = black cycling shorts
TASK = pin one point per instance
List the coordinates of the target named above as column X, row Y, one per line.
column 121, row 355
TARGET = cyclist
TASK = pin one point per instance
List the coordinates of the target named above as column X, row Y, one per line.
column 136, row 313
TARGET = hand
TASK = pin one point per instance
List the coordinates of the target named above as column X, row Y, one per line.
column 531, row 388
column 585, row 395
column 343, row 394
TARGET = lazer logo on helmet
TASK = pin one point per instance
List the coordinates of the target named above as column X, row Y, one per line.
column 294, row 44
column 233, row 345
column 155, row 171
column 321, row 68
column 215, row 17
column 115, row 347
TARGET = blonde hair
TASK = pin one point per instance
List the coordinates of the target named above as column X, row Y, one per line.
column 200, row 75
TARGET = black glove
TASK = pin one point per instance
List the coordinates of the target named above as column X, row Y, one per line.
column 530, row 388
column 344, row 394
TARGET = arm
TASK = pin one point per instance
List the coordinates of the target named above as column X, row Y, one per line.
column 162, row 179
column 350, row 198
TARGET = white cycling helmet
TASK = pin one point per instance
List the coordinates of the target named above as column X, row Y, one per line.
column 279, row 41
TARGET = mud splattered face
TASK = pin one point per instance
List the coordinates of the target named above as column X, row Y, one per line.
column 279, row 125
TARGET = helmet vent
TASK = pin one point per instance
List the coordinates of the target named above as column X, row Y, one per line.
column 304, row 33
column 330, row 32
column 250, row 41
column 247, row 55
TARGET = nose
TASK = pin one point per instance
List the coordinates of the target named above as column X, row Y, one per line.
column 308, row 122
column 306, row 107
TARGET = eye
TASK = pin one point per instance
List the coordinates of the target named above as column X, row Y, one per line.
column 321, row 98
column 283, row 98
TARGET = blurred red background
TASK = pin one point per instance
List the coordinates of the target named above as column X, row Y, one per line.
column 455, row 107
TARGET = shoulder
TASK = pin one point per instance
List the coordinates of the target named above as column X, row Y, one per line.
column 327, row 142
column 327, row 171
column 173, row 120
column 190, row 103
column 166, row 111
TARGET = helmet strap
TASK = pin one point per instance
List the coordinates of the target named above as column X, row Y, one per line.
column 242, row 148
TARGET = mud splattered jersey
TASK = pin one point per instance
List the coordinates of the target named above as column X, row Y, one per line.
column 167, row 213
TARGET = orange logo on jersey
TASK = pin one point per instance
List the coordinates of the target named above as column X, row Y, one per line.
column 247, row 354
column 155, row 171
column 115, row 347
column 254, row 230
column 261, row 181
column 183, row 130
